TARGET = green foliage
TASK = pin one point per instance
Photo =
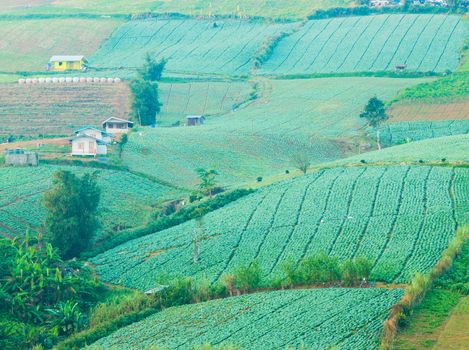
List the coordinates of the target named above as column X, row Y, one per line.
column 346, row 212
column 123, row 141
column 41, row 296
column 247, row 277
column 207, row 181
column 72, row 204
column 67, row 318
column 374, row 112
column 152, row 70
column 456, row 84
column 266, row 320
column 145, row 101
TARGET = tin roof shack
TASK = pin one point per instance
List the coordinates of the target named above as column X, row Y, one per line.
column 193, row 120
column 20, row 157
column 115, row 125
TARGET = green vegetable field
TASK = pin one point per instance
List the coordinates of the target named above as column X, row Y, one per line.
column 126, row 198
column 401, row 132
column 191, row 46
column 261, row 139
column 400, row 217
column 451, row 148
column 317, row 319
column 199, row 98
column 371, row 43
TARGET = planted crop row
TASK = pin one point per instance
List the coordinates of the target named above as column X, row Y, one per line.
column 401, row 218
column 125, row 202
column 260, row 140
column 371, row 43
column 195, row 46
column 58, row 110
column 402, row 132
column 319, row 319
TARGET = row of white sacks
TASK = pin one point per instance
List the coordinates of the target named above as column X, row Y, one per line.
column 68, row 80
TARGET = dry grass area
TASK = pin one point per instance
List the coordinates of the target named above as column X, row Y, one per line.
column 27, row 45
column 58, row 109
column 436, row 109
column 455, row 335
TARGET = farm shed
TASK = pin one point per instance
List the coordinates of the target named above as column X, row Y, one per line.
column 86, row 145
column 63, row 63
column 20, row 157
column 94, row 132
column 115, row 125
column 193, row 120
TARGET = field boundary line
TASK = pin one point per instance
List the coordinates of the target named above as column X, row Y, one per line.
column 347, row 214
column 297, row 219
column 421, row 227
column 395, row 216
column 431, row 42
column 371, row 215
column 447, row 42
column 418, row 38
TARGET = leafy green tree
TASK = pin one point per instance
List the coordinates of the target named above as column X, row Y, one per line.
column 152, row 70
column 123, row 141
column 72, row 205
column 145, row 101
column 207, row 180
column 375, row 114
column 248, row 277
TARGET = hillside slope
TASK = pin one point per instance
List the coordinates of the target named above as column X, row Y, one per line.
column 319, row 319
column 125, row 202
column 400, row 217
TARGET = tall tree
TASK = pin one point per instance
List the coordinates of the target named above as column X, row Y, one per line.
column 152, row 70
column 375, row 114
column 145, row 101
column 72, row 204
column 207, row 180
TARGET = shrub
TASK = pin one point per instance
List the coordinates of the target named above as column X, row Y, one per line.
column 247, row 278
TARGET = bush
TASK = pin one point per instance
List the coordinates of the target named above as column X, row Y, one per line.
column 259, row 179
column 247, row 277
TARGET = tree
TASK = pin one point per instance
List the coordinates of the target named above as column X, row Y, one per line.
column 72, row 204
column 207, row 180
column 145, row 101
column 375, row 114
column 122, row 144
column 152, row 70
column 302, row 161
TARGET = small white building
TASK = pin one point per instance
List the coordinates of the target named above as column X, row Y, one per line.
column 85, row 145
column 115, row 125
column 94, row 132
column 193, row 120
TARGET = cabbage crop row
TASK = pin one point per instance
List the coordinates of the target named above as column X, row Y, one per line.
column 318, row 319
column 399, row 217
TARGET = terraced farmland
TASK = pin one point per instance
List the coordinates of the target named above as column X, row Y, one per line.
column 371, row 43
column 192, row 46
column 199, row 98
column 27, row 45
column 430, row 109
column 126, row 198
column 291, row 116
column 451, row 148
column 401, row 132
column 46, row 109
column 317, row 319
column 400, row 217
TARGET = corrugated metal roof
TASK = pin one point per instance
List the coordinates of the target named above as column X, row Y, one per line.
column 66, row 58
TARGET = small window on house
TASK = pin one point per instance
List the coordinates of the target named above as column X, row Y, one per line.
column 81, row 145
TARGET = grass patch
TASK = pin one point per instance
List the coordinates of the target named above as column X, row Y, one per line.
column 425, row 323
